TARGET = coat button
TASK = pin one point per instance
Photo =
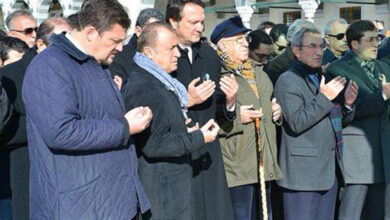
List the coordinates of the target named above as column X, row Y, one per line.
column 271, row 175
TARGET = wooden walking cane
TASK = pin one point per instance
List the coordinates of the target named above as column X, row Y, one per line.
column 261, row 171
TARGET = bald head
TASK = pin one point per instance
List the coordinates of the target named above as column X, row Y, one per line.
column 50, row 26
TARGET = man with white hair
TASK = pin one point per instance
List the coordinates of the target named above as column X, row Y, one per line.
column 21, row 24
column 335, row 39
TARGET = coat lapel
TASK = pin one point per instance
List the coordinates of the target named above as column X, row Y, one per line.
column 311, row 84
column 359, row 73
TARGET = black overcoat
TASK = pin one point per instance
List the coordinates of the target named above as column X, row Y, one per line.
column 211, row 195
column 164, row 148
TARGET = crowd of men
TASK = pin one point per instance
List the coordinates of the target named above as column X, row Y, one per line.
column 281, row 122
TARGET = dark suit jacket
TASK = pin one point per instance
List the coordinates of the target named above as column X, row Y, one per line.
column 367, row 138
column 211, row 195
column 307, row 152
column 280, row 64
column 123, row 63
column 328, row 57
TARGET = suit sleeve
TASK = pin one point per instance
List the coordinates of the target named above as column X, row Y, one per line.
column 158, row 140
column 299, row 115
column 52, row 105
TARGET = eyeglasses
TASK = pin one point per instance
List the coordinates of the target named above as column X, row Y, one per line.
column 241, row 39
column 280, row 48
column 27, row 31
column 337, row 36
column 314, row 46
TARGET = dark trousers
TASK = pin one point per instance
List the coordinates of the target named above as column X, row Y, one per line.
column 246, row 199
column 20, row 169
column 309, row 205
column 356, row 196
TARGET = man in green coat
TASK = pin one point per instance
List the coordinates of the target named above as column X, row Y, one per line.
column 366, row 160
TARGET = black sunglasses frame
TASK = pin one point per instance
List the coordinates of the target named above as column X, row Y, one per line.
column 337, row 36
column 27, row 31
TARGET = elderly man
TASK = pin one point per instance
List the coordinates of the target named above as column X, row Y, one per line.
column 254, row 100
column 367, row 137
column 14, row 137
column 311, row 133
column 123, row 63
column 335, row 39
column 283, row 62
column 83, row 163
column 164, row 148
column 199, row 70
column 21, row 24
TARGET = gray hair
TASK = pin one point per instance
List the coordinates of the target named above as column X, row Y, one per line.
column 297, row 38
column 147, row 14
column 297, row 26
column 328, row 25
column 19, row 13
column 150, row 34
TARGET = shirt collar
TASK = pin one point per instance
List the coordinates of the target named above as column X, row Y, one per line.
column 74, row 42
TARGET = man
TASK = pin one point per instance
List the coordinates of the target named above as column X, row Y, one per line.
column 283, row 62
column 83, row 163
column 255, row 91
column 123, row 63
column 11, row 50
column 260, row 47
column 14, row 137
column 198, row 60
column 165, row 147
column 335, row 39
column 311, row 133
column 21, row 24
column 367, row 154
column 278, row 34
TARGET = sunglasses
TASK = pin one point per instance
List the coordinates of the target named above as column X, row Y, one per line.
column 337, row 36
column 27, row 31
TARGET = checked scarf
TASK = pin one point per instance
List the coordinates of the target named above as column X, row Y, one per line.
column 335, row 112
column 245, row 69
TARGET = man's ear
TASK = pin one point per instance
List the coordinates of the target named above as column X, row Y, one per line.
column 354, row 44
column 222, row 45
column 91, row 33
column 174, row 23
column 295, row 51
column 326, row 40
column 137, row 31
column 11, row 34
column 41, row 45
column 148, row 51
